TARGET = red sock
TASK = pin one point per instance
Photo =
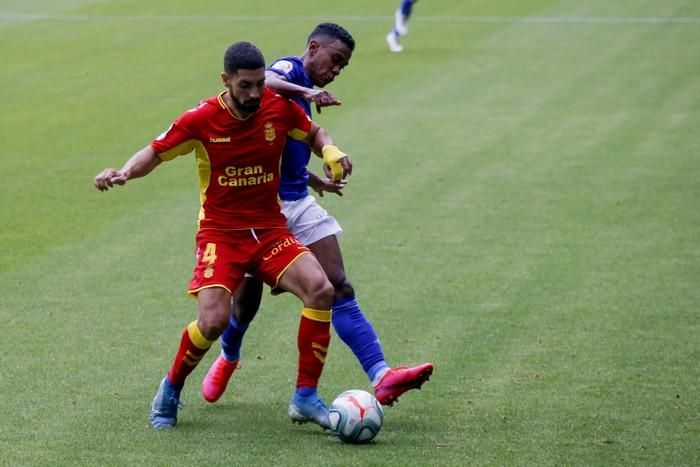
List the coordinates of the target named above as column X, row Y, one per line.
column 193, row 346
column 312, row 341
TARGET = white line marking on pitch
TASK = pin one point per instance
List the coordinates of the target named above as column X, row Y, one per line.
column 418, row 18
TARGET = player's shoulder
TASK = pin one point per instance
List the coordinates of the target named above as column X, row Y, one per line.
column 197, row 117
column 211, row 104
column 278, row 104
column 287, row 65
column 273, row 99
column 205, row 107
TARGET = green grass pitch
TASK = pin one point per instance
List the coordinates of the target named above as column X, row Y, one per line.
column 524, row 212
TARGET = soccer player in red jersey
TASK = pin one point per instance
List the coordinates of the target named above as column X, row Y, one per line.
column 237, row 138
column 328, row 50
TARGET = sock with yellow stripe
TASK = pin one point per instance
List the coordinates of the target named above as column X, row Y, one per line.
column 312, row 342
column 193, row 346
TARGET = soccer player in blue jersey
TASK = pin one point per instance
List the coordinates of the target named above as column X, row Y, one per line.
column 328, row 50
column 401, row 16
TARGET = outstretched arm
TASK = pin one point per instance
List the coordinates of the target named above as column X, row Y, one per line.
column 139, row 165
column 320, row 97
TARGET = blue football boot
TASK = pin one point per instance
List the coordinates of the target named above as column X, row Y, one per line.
column 165, row 405
column 309, row 409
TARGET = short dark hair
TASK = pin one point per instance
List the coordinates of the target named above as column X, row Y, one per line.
column 333, row 31
column 243, row 55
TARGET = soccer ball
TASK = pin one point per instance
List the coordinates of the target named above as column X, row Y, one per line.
column 356, row 416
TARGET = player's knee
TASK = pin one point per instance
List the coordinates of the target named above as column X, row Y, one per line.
column 343, row 290
column 244, row 311
column 321, row 295
column 326, row 292
column 213, row 317
column 211, row 326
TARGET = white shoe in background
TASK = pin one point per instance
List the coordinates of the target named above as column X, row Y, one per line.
column 392, row 41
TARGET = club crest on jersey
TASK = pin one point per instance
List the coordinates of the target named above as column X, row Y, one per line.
column 285, row 66
column 269, row 132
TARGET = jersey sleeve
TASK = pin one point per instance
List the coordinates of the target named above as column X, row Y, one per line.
column 180, row 138
column 300, row 123
column 286, row 68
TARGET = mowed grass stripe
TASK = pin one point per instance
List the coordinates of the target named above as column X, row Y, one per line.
column 561, row 334
column 594, row 182
column 595, row 156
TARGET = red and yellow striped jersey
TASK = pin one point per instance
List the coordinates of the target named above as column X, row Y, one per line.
column 238, row 161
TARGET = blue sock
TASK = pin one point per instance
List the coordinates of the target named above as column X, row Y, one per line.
column 352, row 327
column 306, row 391
column 232, row 339
column 406, row 7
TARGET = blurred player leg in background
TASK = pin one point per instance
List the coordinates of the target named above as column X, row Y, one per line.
column 400, row 28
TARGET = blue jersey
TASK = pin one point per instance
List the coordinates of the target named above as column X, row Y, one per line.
column 294, row 176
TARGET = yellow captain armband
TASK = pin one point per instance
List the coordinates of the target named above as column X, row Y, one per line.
column 332, row 156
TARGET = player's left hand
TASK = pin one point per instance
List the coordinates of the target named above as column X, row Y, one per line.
column 328, row 185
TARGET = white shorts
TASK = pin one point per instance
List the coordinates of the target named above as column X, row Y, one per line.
column 308, row 221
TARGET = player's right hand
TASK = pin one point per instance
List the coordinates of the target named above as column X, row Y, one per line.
column 337, row 165
column 108, row 178
column 322, row 98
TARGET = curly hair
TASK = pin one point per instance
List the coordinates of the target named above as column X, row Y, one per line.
column 333, row 31
column 243, row 55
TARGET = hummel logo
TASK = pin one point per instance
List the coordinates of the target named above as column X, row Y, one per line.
column 226, row 139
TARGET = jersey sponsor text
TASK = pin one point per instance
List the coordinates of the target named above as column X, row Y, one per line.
column 245, row 176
